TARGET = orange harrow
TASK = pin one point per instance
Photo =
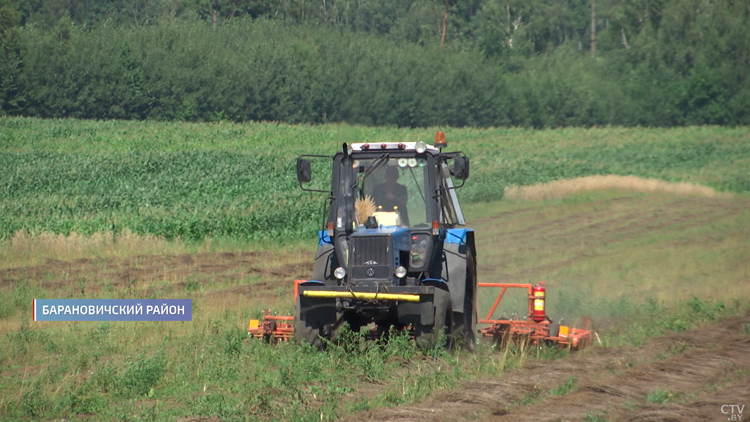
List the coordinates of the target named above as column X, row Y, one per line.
column 272, row 327
column 537, row 327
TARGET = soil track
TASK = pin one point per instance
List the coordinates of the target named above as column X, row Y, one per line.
column 700, row 370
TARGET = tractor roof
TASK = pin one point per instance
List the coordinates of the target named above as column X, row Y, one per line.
column 394, row 146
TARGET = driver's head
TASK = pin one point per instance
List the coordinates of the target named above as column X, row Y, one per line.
column 391, row 174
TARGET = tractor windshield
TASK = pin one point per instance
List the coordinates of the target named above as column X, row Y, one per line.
column 393, row 190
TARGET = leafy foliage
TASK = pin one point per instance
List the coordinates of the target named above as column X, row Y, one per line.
column 505, row 63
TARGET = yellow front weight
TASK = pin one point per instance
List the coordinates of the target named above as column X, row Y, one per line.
column 361, row 295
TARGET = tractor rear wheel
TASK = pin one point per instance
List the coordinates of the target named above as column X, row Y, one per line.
column 439, row 333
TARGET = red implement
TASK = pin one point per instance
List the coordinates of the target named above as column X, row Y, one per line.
column 544, row 331
column 272, row 327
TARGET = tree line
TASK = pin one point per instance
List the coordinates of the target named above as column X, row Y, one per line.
column 533, row 63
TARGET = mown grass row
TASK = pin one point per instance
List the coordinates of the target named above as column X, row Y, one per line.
column 191, row 181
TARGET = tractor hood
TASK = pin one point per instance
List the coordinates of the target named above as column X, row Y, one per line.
column 374, row 254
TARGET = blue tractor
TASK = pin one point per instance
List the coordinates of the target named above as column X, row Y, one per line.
column 393, row 253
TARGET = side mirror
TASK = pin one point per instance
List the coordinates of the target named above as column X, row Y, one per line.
column 460, row 169
column 304, row 171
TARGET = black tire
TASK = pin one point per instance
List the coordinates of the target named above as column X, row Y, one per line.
column 428, row 336
column 332, row 331
column 465, row 323
column 383, row 330
column 306, row 333
column 554, row 329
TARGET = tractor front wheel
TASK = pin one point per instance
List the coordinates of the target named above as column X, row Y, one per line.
column 429, row 337
column 305, row 333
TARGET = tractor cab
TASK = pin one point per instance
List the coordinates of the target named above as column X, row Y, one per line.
column 391, row 228
column 390, row 184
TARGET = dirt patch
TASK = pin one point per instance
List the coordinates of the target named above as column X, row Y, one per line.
column 265, row 270
column 560, row 188
column 688, row 375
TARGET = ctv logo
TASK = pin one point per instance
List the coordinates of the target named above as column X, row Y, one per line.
column 734, row 411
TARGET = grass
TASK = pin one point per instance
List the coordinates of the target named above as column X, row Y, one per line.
column 596, row 417
column 531, row 397
column 207, row 368
column 559, row 189
column 659, row 396
column 568, row 387
column 191, row 214
column 610, row 254
column 26, row 250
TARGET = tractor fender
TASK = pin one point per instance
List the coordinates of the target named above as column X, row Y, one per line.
column 315, row 312
column 325, row 262
column 319, row 312
column 458, row 243
column 423, row 312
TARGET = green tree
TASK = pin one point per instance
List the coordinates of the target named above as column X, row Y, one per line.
column 10, row 17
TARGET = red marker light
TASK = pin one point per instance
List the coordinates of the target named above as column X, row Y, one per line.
column 383, row 146
column 366, row 146
column 401, row 145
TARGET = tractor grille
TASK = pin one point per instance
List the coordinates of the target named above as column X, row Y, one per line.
column 379, row 272
column 370, row 250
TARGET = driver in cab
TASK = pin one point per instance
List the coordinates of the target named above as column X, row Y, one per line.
column 391, row 195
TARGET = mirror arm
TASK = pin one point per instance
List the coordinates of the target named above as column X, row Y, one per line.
column 315, row 190
column 463, row 182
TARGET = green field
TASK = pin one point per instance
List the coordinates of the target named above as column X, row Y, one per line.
column 190, row 181
column 641, row 262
